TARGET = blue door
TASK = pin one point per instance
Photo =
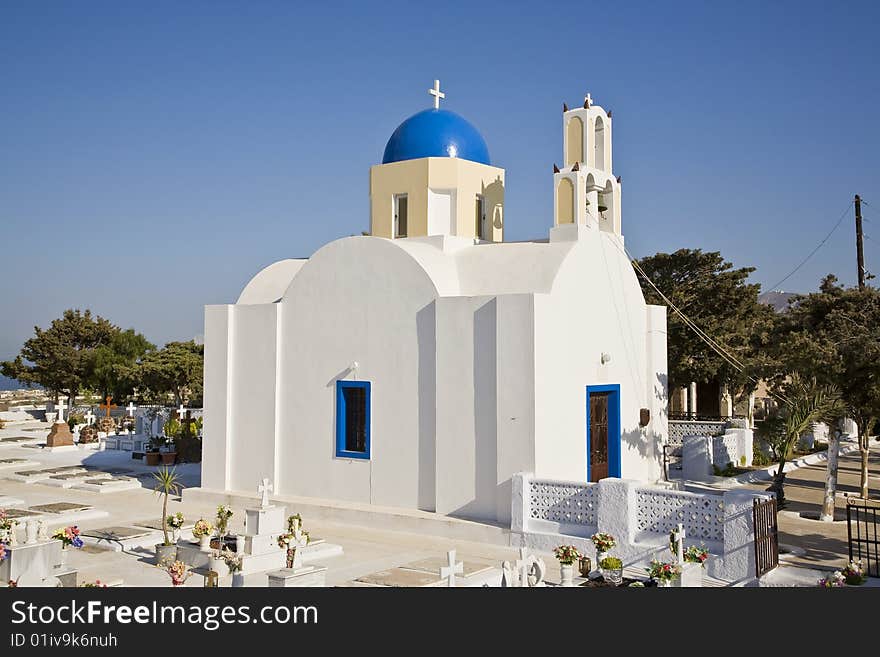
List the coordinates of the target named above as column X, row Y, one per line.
column 603, row 431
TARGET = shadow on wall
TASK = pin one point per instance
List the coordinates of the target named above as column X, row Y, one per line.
column 427, row 374
column 485, row 448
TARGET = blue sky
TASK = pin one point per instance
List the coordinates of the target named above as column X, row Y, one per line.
column 154, row 156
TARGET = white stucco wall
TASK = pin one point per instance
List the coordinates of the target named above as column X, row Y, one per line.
column 478, row 358
column 596, row 307
column 361, row 300
column 252, row 398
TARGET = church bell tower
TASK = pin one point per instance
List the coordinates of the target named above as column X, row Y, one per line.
column 585, row 189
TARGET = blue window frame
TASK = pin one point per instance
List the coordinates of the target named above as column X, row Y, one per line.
column 606, row 450
column 353, row 419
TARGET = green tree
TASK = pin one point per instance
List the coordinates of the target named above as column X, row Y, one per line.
column 805, row 402
column 834, row 336
column 176, row 369
column 113, row 366
column 58, row 358
column 724, row 305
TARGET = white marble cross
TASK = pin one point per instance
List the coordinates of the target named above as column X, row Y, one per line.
column 679, row 535
column 181, row 413
column 60, row 406
column 131, row 409
column 265, row 488
column 448, row 572
column 89, row 416
column 437, row 94
column 588, row 101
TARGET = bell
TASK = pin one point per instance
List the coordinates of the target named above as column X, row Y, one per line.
column 602, row 206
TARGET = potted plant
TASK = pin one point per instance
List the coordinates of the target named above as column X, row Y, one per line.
column 175, row 523
column 202, row 532
column 151, row 454
column 167, row 483
column 603, row 543
column 663, row 572
column 612, row 570
column 566, row 555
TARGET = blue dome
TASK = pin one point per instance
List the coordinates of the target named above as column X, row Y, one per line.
column 436, row 133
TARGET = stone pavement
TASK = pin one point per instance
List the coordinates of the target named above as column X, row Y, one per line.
column 824, row 544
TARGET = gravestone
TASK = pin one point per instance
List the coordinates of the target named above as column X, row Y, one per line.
column 60, row 507
column 696, row 458
column 59, row 436
column 88, row 434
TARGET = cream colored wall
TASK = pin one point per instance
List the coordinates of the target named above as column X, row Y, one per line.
column 564, row 202
column 574, row 151
column 409, row 177
column 415, row 177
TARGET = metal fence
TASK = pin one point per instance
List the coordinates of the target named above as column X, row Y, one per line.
column 861, row 531
column 766, row 536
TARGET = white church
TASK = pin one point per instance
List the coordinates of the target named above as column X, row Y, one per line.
column 423, row 365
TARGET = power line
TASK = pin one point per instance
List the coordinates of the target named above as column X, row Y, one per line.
column 813, row 252
column 718, row 348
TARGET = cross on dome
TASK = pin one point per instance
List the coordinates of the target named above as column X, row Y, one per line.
column 588, row 101
column 437, row 94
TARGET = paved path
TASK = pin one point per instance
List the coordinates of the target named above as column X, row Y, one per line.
column 824, row 543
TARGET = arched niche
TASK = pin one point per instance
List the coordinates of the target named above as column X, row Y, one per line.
column 565, row 202
column 599, row 143
column 575, row 141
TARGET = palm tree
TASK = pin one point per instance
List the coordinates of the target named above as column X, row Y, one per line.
column 167, row 483
column 805, row 403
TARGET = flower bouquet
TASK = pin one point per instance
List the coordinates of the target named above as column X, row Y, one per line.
column 566, row 554
column 202, row 528
column 69, row 537
column 175, row 521
column 97, row 584
column 663, row 572
column 2, row 551
column 232, row 559
column 603, row 542
column 224, row 513
column 854, row 573
column 179, row 573
column 696, row 554
column 834, row 580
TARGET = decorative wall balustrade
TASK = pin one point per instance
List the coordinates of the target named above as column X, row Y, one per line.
column 563, row 502
column 660, row 511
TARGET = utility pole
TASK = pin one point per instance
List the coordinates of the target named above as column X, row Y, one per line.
column 860, row 255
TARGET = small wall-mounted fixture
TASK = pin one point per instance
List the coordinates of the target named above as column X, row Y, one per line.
column 605, row 358
column 644, row 417
column 354, row 365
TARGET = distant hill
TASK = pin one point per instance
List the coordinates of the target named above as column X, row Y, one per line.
column 776, row 298
column 9, row 384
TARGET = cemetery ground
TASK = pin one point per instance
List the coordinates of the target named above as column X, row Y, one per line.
column 371, row 556
column 125, row 523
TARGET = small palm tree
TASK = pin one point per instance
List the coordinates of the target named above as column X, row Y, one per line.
column 806, row 402
column 167, row 483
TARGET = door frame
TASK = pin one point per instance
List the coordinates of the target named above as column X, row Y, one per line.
column 613, row 427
